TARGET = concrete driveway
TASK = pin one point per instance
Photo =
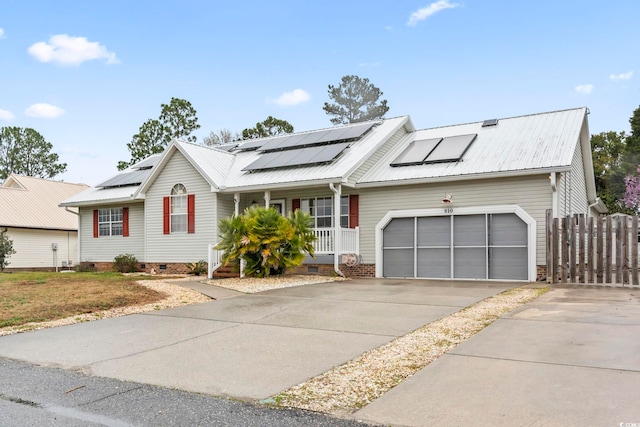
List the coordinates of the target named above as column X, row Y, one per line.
column 249, row 346
column 570, row 357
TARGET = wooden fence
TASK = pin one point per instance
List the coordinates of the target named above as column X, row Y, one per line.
column 592, row 250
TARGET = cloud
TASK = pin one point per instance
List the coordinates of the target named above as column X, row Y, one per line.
column 44, row 111
column 67, row 50
column 6, row 116
column 584, row 89
column 1, row 33
column 297, row 96
column 425, row 12
column 621, row 76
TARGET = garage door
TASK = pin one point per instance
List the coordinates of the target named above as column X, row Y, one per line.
column 480, row 246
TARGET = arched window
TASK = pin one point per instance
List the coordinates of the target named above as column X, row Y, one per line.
column 178, row 209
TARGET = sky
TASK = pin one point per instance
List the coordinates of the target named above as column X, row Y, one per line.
column 88, row 74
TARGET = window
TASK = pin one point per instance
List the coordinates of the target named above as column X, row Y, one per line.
column 321, row 210
column 178, row 209
column 110, row 222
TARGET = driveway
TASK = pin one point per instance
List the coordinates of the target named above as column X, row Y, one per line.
column 249, row 346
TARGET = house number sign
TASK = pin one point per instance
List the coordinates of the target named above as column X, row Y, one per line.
column 448, row 210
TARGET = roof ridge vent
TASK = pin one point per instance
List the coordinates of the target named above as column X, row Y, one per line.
column 489, row 122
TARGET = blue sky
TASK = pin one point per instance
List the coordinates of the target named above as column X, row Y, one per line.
column 87, row 74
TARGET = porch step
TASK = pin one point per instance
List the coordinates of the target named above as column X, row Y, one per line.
column 226, row 272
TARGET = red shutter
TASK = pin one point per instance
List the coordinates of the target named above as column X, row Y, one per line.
column 166, row 214
column 353, row 211
column 295, row 204
column 191, row 213
column 125, row 222
column 95, row 223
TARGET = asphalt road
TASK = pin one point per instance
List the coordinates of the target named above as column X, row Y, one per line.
column 32, row 395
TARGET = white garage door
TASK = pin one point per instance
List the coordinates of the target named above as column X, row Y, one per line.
column 480, row 246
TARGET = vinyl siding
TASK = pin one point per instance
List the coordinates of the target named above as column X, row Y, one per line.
column 532, row 193
column 179, row 247
column 225, row 209
column 105, row 249
column 572, row 189
column 33, row 247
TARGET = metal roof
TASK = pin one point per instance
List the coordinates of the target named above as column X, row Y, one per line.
column 535, row 142
column 28, row 202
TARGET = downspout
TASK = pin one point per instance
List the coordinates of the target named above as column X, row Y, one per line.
column 66, row 208
column 592, row 205
column 554, row 195
column 337, row 233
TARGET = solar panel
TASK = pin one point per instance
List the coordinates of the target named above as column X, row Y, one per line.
column 299, row 157
column 416, row 152
column 490, row 122
column 149, row 162
column 451, row 149
column 321, row 137
column 251, row 145
column 125, row 179
column 225, row 147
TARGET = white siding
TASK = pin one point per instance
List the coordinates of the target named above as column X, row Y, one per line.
column 378, row 154
column 106, row 248
column 179, row 247
column 33, row 247
column 572, row 188
column 531, row 193
column 226, row 208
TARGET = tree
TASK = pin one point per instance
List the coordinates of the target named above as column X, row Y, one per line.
column 355, row 100
column 223, row 136
column 24, row 151
column 177, row 120
column 269, row 127
column 269, row 242
column 608, row 150
column 630, row 165
column 6, row 250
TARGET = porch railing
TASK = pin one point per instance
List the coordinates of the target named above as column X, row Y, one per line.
column 214, row 260
column 349, row 237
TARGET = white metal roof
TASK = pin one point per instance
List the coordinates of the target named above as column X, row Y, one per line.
column 28, row 202
column 517, row 145
column 523, row 144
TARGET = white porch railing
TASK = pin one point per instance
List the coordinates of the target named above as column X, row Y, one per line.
column 349, row 237
column 214, row 260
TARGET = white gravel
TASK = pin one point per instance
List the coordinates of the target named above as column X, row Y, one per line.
column 250, row 285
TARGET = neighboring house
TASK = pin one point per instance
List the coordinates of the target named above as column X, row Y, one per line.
column 465, row 201
column 44, row 235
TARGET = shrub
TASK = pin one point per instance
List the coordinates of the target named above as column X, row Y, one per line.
column 6, row 250
column 125, row 263
column 197, row 268
column 268, row 242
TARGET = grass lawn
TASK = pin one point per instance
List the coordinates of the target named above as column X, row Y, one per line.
column 37, row 297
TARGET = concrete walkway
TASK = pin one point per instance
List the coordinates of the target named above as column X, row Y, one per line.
column 571, row 357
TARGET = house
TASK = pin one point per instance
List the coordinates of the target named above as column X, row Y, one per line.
column 44, row 235
column 465, row 201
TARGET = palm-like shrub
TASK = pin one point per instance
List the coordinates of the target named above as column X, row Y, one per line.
column 268, row 242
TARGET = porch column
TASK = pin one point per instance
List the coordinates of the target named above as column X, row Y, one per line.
column 267, row 198
column 337, row 232
column 236, row 202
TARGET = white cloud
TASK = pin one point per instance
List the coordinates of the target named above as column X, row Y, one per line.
column 621, row 76
column 44, row 111
column 297, row 96
column 1, row 33
column 584, row 89
column 425, row 12
column 6, row 115
column 67, row 50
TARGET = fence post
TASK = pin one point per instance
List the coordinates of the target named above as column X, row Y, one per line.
column 600, row 250
column 564, row 268
column 549, row 244
column 572, row 254
column 619, row 262
column 625, row 251
column 609, row 248
column 581, row 249
column 556, row 253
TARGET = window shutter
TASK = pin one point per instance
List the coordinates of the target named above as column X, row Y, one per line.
column 125, row 222
column 191, row 213
column 295, row 204
column 353, row 211
column 95, row 223
column 166, row 213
